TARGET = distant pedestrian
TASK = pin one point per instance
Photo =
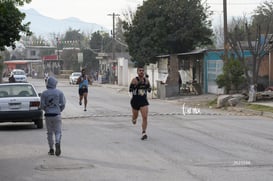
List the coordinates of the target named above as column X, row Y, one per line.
column 53, row 103
column 139, row 87
column 83, row 82
column 11, row 78
column 46, row 76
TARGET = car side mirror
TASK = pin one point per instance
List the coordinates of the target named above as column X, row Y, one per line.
column 39, row 94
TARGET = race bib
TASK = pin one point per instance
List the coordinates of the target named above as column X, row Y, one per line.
column 141, row 92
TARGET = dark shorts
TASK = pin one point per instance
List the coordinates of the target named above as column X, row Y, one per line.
column 82, row 91
column 137, row 103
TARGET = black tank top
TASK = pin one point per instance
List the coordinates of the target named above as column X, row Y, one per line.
column 141, row 88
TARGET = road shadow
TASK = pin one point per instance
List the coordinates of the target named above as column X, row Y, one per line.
column 17, row 126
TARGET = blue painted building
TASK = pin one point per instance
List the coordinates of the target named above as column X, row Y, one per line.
column 213, row 66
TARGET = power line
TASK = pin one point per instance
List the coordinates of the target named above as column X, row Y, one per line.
column 235, row 4
column 121, row 43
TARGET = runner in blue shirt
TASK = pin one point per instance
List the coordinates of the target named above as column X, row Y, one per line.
column 83, row 82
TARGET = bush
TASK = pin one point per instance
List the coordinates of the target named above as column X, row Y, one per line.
column 232, row 77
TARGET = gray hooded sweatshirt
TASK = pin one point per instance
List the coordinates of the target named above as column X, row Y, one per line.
column 52, row 99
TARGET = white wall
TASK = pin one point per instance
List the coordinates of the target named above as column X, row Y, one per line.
column 152, row 71
column 122, row 72
column 213, row 89
column 127, row 73
column 132, row 73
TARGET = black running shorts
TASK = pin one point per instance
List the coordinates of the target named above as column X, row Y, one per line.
column 83, row 90
column 139, row 102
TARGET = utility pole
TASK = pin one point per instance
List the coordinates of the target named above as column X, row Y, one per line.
column 114, row 35
column 113, row 69
column 225, row 31
column 58, row 55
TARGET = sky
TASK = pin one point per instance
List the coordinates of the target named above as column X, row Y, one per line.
column 97, row 11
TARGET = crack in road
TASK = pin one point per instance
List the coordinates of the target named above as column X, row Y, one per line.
column 155, row 114
column 129, row 115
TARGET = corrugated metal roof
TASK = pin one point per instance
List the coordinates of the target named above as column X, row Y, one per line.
column 162, row 56
column 194, row 52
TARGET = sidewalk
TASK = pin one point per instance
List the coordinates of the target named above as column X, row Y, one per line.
column 265, row 103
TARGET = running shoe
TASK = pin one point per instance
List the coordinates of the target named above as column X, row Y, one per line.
column 134, row 121
column 85, row 109
column 144, row 136
column 80, row 103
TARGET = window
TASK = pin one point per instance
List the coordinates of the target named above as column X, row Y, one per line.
column 33, row 53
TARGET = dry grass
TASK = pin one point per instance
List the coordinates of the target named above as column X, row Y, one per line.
column 257, row 107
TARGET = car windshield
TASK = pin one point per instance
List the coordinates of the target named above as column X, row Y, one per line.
column 76, row 74
column 17, row 90
column 19, row 73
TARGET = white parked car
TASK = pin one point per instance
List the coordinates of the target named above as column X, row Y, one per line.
column 19, row 75
column 20, row 102
column 74, row 77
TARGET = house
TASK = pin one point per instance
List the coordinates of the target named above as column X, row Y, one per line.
column 180, row 74
column 29, row 66
column 31, row 61
column 52, row 64
column 33, row 52
column 198, row 71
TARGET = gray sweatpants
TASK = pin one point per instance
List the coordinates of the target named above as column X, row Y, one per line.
column 54, row 126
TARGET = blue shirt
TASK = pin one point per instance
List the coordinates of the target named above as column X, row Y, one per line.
column 84, row 82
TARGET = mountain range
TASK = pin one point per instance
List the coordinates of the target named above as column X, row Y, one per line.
column 44, row 26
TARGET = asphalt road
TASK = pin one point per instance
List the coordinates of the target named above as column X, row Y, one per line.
column 184, row 143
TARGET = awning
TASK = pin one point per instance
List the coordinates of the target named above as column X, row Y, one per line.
column 16, row 62
column 194, row 52
column 50, row 58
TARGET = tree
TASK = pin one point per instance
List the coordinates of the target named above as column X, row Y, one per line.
column 96, row 42
column 255, row 37
column 73, row 35
column 11, row 25
column 11, row 22
column 71, row 45
column 121, row 45
column 263, row 14
column 101, row 42
column 90, row 62
column 166, row 27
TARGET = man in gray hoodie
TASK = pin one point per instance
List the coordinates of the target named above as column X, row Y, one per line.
column 53, row 103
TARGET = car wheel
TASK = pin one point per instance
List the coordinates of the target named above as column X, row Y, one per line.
column 39, row 123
